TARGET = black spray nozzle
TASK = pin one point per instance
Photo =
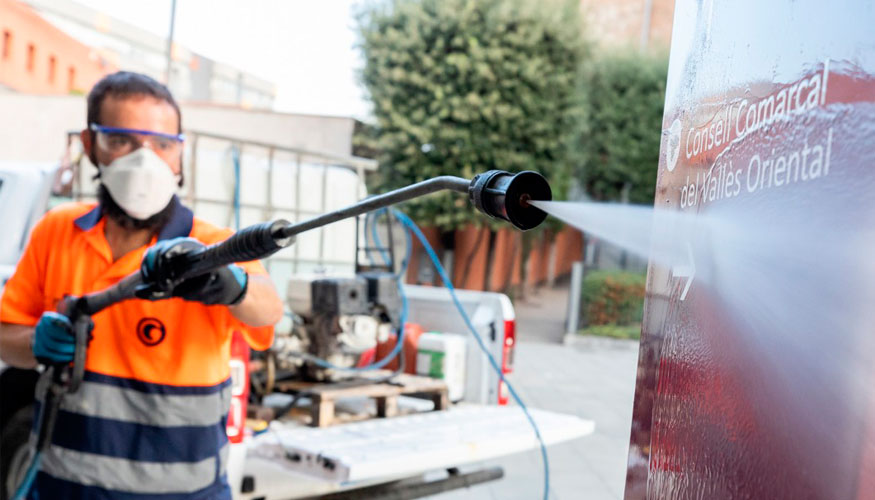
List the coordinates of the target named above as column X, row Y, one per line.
column 506, row 196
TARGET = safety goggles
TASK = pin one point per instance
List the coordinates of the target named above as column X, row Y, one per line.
column 121, row 141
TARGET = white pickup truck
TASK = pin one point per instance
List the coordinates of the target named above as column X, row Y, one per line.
column 408, row 456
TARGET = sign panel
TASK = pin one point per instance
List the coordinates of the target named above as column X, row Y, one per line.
column 757, row 355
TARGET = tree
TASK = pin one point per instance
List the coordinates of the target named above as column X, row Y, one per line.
column 619, row 137
column 464, row 86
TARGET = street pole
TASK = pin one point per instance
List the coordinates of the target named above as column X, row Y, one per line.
column 170, row 42
column 573, row 317
column 645, row 24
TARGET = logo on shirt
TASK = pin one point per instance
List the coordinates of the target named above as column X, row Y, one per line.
column 151, row 331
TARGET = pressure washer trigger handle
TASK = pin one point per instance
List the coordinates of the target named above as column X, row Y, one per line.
column 82, row 327
column 71, row 375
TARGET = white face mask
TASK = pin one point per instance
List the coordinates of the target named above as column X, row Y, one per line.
column 140, row 182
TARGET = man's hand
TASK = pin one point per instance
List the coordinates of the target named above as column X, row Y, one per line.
column 54, row 341
column 252, row 300
column 225, row 286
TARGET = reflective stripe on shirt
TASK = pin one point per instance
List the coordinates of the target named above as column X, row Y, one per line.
column 132, row 476
column 131, row 436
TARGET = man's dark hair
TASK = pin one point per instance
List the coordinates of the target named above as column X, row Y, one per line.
column 127, row 83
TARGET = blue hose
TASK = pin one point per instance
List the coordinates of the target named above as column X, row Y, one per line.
column 377, row 364
column 408, row 245
column 236, row 158
column 412, row 227
column 399, row 343
column 29, row 477
column 407, row 222
column 371, row 220
column 368, row 251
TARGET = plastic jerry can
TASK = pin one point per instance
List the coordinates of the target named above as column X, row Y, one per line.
column 442, row 355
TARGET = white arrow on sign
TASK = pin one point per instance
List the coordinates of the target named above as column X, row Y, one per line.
column 686, row 271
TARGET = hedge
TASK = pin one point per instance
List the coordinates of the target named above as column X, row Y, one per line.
column 464, row 86
column 613, row 298
column 618, row 141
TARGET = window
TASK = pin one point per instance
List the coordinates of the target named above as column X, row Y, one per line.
column 71, row 79
column 52, row 63
column 31, row 53
column 7, row 44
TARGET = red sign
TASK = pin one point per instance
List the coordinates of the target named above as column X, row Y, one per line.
column 757, row 353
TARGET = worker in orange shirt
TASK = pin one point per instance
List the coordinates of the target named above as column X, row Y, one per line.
column 149, row 419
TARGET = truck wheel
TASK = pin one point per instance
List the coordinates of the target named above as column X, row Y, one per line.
column 15, row 457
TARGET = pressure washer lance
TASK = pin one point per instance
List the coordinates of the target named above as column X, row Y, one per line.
column 498, row 194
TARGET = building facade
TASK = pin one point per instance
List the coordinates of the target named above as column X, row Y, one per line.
column 38, row 58
column 642, row 24
column 60, row 46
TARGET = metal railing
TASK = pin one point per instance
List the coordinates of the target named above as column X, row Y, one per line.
column 83, row 187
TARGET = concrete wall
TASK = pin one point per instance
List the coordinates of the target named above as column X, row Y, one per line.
column 325, row 134
column 33, row 128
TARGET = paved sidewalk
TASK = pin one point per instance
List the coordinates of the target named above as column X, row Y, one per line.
column 594, row 380
column 540, row 316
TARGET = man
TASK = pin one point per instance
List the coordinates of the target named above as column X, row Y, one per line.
column 149, row 420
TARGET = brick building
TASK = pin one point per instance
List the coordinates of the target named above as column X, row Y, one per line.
column 644, row 24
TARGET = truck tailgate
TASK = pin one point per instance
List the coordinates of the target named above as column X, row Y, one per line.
column 379, row 450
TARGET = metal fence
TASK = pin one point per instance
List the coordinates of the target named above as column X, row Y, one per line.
column 234, row 183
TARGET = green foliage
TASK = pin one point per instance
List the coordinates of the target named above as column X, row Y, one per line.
column 619, row 138
column 613, row 298
column 614, row 331
column 464, row 86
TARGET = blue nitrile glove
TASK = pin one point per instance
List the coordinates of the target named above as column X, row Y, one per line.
column 54, row 340
column 226, row 285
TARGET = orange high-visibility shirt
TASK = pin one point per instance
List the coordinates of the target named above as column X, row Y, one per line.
column 172, row 341
column 149, row 418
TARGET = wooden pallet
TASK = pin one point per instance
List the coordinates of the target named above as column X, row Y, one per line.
column 385, row 394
